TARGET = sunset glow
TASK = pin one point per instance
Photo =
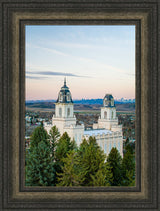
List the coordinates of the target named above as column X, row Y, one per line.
column 95, row 60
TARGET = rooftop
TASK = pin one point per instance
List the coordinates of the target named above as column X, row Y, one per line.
column 64, row 95
column 97, row 132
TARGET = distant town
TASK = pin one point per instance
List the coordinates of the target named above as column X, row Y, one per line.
column 87, row 112
column 87, row 101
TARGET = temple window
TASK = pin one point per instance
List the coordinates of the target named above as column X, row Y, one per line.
column 68, row 112
column 60, row 112
column 112, row 114
column 68, row 98
column 61, row 98
column 105, row 115
column 112, row 102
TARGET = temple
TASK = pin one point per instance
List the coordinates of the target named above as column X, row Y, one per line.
column 107, row 132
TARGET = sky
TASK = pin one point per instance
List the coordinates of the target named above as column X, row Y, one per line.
column 96, row 60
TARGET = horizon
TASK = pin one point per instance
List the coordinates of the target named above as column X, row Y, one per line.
column 95, row 59
column 84, row 99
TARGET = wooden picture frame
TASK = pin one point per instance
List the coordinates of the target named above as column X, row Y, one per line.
column 15, row 15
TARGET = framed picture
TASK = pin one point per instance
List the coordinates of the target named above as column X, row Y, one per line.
column 17, row 19
column 75, row 115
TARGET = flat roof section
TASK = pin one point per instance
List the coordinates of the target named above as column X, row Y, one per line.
column 97, row 132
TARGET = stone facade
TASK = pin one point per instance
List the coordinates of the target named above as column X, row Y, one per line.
column 107, row 132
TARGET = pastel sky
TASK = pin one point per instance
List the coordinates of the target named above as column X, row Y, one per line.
column 95, row 60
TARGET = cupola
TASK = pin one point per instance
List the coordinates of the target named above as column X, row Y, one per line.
column 108, row 101
column 64, row 95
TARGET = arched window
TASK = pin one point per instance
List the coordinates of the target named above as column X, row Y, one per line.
column 61, row 97
column 68, row 97
column 112, row 102
column 68, row 111
column 60, row 112
column 106, row 102
column 105, row 114
column 112, row 114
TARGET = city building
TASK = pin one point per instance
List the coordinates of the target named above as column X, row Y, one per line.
column 107, row 132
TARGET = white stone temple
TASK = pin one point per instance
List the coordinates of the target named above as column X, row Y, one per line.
column 107, row 132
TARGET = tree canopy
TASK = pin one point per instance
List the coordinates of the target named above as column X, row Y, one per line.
column 54, row 160
column 39, row 163
column 114, row 160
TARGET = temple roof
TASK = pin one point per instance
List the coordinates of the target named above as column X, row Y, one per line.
column 64, row 95
column 108, row 101
column 97, row 132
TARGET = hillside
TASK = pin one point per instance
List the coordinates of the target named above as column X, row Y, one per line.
column 78, row 107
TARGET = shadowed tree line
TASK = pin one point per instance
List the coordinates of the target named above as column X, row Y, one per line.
column 54, row 160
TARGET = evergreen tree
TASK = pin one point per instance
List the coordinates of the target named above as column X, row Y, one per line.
column 83, row 146
column 128, row 169
column 39, row 134
column 64, row 145
column 91, row 163
column 54, row 135
column 39, row 166
column 115, row 162
column 39, row 162
column 69, row 176
column 103, row 176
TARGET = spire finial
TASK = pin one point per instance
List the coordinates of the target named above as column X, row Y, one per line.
column 65, row 81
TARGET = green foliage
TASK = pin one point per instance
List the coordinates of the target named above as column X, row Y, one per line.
column 103, row 176
column 38, row 135
column 57, row 161
column 85, row 167
column 69, row 176
column 115, row 162
column 64, row 145
column 128, row 168
column 39, row 166
column 91, row 164
column 54, row 135
column 39, row 162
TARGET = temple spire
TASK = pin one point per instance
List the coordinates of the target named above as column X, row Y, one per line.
column 65, row 81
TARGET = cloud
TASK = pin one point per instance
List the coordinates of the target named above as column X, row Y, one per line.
column 46, row 49
column 35, row 77
column 100, row 65
column 50, row 73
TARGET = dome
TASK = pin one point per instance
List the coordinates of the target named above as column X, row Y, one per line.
column 64, row 95
column 108, row 101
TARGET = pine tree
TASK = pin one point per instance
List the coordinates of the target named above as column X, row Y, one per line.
column 91, row 163
column 39, row 134
column 54, row 135
column 40, row 166
column 128, row 169
column 64, row 145
column 103, row 176
column 115, row 162
column 39, row 162
column 69, row 176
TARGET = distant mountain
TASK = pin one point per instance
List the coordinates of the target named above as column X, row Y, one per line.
column 97, row 101
column 38, row 101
